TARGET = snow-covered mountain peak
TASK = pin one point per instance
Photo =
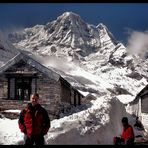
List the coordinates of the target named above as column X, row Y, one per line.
column 105, row 35
column 68, row 19
column 70, row 36
column 70, row 15
column 101, row 26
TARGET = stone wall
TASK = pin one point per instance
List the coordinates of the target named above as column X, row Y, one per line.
column 48, row 89
column 12, row 104
column 65, row 93
column 50, row 94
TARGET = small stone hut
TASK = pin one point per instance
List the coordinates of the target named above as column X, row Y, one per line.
column 22, row 75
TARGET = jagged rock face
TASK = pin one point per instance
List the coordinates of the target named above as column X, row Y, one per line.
column 106, row 37
column 119, row 56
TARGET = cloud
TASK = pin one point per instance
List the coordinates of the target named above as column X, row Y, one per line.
column 60, row 63
column 138, row 43
column 11, row 29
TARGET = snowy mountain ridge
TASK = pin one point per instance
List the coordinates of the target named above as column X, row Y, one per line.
column 67, row 35
column 86, row 55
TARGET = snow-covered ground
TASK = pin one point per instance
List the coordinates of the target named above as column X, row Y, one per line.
column 96, row 125
column 12, row 111
column 80, row 128
column 9, row 131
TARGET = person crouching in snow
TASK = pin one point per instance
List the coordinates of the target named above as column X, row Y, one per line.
column 127, row 137
column 34, row 122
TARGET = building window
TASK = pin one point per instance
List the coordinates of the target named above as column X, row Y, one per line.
column 75, row 98
column 11, row 88
column 72, row 97
column 23, row 88
column 79, row 99
column 144, row 104
column 19, row 88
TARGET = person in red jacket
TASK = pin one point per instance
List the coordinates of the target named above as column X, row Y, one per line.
column 34, row 122
column 127, row 137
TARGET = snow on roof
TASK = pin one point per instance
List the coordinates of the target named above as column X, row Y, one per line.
column 33, row 63
column 12, row 111
column 83, row 93
column 123, row 98
column 141, row 93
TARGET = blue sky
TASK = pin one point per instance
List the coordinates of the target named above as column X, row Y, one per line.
column 118, row 17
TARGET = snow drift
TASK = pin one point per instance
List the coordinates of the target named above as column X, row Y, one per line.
column 97, row 125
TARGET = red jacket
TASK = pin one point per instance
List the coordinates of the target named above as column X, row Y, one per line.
column 128, row 133
column 34, row 120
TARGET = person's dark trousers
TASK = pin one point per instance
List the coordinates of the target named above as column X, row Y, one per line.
column 37, row 140
column 130, row 141
column 118, row 141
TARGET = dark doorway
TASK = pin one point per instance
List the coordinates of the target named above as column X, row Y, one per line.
column 23, row 88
